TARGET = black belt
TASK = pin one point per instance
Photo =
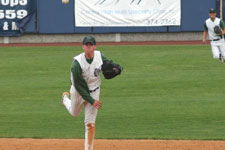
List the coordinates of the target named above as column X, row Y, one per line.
column 93, row 90
column 215, row 40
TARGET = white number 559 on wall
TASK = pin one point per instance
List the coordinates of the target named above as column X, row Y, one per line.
column 13, row 14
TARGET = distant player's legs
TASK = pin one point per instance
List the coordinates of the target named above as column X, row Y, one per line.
column 215, row 51
column 222, row 50
column 90, row 117
column 73, row 105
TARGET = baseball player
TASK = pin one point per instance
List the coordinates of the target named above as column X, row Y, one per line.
column 214, row 27
column 85, row 86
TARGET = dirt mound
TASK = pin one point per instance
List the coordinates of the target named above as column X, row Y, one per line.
column 77, row 144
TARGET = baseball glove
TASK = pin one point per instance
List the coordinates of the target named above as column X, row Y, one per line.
column 110, row 70
column 217, row 30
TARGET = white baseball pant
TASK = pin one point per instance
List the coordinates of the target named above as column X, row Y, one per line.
column 75, row 104
column 218, row 47
column 74, row 107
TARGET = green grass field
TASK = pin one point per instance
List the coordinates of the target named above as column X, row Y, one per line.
column 165, row 92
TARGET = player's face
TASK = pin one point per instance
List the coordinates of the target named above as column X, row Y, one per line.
column 212, row 15
column 89, row 48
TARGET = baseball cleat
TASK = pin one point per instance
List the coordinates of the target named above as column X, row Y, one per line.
column 65, row 94
column 221, row 59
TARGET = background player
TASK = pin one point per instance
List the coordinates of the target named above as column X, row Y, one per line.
column 216, row 39
column 85, row 88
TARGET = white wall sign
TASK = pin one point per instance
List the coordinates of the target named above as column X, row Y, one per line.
column 127, row 13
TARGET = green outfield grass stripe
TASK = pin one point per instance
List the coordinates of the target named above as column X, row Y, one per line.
column 164, row 92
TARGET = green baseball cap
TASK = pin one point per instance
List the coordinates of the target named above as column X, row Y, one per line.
column 89, row 39
column 212, row 10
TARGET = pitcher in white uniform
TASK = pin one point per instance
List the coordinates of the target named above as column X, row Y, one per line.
column 216, row 41
column 85, row 87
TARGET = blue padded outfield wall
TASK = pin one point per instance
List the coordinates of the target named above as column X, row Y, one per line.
column 55, row 17
column 17, row 17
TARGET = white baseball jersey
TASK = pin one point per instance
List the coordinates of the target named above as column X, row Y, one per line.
column 210, row 25
column 90, row 72
column 217, row 42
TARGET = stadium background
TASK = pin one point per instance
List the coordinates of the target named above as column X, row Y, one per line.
column 54, row 22
column 185, row 102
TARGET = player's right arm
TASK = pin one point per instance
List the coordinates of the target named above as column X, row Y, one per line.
column 81, row 85
column 205, row 32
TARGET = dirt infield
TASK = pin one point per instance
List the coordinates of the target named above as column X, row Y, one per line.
column 76, row 144
column 107, row 43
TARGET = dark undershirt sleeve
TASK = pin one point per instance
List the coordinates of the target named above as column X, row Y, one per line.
column 80, row 84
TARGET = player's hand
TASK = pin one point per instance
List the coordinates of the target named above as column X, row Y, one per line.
column 204, row 42
column 97, row 104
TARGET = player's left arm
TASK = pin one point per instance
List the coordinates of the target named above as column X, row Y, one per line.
column 104, row 58
column 222, row 26
column 111, row 61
